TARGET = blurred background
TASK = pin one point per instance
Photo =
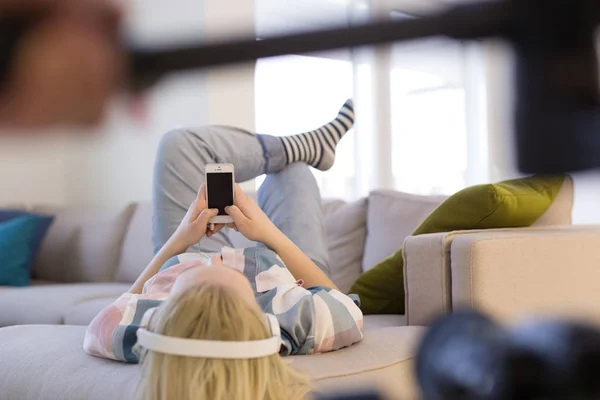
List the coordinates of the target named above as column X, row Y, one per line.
column 433, row 116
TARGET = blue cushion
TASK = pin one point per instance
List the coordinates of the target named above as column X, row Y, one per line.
column 44, row 223
column 16, row 237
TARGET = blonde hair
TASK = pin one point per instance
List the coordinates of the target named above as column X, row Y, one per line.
column 214, row 312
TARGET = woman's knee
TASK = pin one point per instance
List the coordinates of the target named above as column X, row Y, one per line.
column 292, row 176
column 298, row 170
column 178, row 142
column 171, row 144
column 298, row 174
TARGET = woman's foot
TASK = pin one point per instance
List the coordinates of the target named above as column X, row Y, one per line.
column 317, row 148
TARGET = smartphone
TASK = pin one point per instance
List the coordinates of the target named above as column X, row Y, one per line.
column 220, row 190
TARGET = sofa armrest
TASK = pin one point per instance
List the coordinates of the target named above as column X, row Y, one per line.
column 434, row 266
column 515, row 273
column 426, row 277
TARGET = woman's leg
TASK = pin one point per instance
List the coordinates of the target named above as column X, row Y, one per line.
column 179, row 173
column 292, row 201
column 182, row 155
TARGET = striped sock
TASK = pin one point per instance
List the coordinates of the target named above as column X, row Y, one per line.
column 317, row 148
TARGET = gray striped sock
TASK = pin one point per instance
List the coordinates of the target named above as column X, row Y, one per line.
column 317, row 148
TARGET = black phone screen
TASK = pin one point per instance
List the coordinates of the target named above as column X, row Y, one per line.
column 219, row 190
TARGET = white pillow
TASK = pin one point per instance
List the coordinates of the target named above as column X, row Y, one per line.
column 345, row 227
column 391, row 217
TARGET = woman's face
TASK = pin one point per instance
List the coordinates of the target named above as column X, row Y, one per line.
column 216, row 274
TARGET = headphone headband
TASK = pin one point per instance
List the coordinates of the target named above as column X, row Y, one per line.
column 214, row 348
column 208, row 348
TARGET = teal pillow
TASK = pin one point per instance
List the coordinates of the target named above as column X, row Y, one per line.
column 16, row 237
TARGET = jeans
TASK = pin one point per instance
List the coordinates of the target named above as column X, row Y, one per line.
column 289, row 194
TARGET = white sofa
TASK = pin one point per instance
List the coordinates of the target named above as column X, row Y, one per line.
column 91, row 256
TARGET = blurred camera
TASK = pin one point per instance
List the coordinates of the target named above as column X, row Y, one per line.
column 468, row 356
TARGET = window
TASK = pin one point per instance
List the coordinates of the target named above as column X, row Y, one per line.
column 296, row 94
column 429, row 129
column 421, row 114
column 429, row 141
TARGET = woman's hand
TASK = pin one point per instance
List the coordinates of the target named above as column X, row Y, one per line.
column 194, row 225
column 250, row 220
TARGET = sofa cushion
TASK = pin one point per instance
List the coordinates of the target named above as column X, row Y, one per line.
column 32, row 282
column 372, row 322
column 391, row 217
column 59, row 369
column 137, row 249
column 84, row 312
column 543, row 272
column 48, row 362
column 345, row 231
column 48, row 304
column 82, row 245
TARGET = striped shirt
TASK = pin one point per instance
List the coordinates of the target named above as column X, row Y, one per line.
column 312, row 320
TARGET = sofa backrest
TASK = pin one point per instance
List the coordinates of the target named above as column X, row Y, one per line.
column 359, row 234
column 137, row 250
column 82, row 244
column 392, row 217
column 104, row 245
column 345, row 228
column 346, row 233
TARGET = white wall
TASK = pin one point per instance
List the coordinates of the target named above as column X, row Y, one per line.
column 113, row 165
column 32, row 170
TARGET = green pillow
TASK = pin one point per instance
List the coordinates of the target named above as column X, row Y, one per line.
column 510, row 204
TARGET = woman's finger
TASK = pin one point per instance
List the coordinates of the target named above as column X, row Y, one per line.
column 201, row 196
column 240, row 197
column 194, row 211
column 239, row 193
column 207, row 214
column 218, row 227
column 237, row 215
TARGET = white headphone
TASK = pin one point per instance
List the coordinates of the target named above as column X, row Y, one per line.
column 214, row 348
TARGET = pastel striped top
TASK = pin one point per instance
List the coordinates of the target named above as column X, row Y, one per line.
column 312, row 320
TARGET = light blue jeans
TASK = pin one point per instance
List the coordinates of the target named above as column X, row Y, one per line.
column 289, row 195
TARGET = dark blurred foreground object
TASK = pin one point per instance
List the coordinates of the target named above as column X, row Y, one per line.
column 468, row 356
column 60, row 61
column 356, row 395
column 557, row 111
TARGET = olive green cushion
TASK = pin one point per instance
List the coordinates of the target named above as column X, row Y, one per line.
column 510, row 204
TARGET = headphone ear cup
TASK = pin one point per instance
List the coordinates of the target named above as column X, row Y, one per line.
column 273, row 325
